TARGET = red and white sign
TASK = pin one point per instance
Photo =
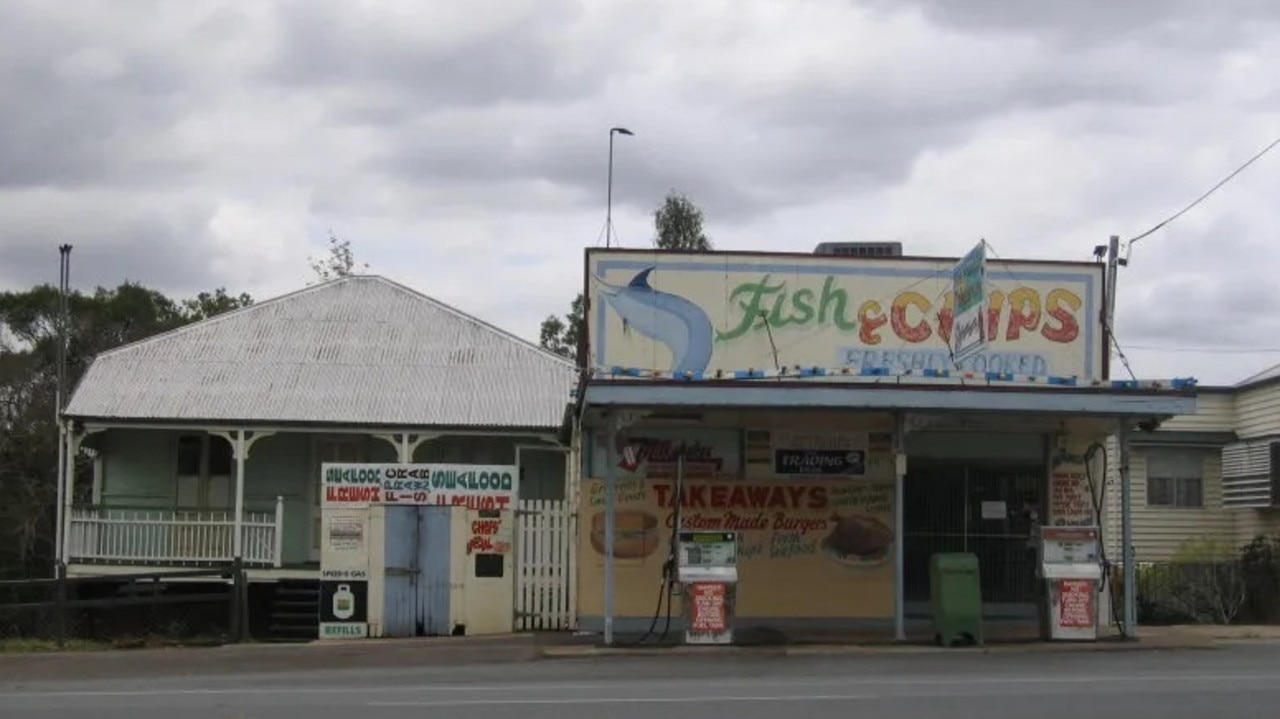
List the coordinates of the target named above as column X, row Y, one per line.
column 655, row 453
column 708, row 608
column 1075, row 603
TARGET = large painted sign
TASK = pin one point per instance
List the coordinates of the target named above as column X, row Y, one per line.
column 455, row 485
column 695, row 313
column 834, row 538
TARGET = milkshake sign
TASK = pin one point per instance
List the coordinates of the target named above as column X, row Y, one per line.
column 733, row 311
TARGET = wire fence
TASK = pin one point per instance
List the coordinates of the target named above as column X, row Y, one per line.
column 188, row 607
column 1208, row 592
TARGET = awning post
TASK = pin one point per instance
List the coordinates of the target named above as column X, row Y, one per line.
column 610, row 510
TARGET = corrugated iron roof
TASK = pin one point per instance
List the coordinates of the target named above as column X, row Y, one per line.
column 359, row 350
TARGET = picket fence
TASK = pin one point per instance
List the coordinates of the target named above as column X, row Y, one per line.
column 546, row 567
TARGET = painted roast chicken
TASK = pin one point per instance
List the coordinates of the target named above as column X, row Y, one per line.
column 858, row 537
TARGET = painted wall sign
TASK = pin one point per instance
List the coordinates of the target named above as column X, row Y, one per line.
column 456, row 485
column 819, row 453
column 653, row 453
column 1071, row 498
column 834, row 537
column 701, row 312
column 490, row 532
column 350, row 486
column 821, row 462
column 344, row 609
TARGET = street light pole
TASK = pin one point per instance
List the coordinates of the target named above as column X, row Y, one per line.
column 608, row 217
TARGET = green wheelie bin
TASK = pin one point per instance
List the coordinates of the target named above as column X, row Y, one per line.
column 956, row 596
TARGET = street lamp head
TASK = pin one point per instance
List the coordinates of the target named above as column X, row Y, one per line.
column 620, row 131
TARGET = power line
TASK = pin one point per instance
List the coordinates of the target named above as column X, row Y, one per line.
column 1207, row 350
column 1205, row 196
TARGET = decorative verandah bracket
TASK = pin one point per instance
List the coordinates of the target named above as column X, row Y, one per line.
column 406, row 443
column 242, row 442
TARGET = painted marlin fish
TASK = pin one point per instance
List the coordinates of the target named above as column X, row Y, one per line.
column 666, row 318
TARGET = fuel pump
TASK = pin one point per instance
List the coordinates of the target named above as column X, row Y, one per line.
column 1071, row 565
column 708, row 574
column 1073, row 568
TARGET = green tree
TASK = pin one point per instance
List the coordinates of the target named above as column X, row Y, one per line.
column 561, row 335
column 339, row 260
column 97, row 321
column 677, row 225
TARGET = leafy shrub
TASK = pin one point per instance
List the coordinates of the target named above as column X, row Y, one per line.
column 1260, row 565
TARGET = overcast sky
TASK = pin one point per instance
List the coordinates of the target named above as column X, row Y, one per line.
column 195, row 144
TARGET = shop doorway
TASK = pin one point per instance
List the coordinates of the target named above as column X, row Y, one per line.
column 417, row 571
column 989, row 509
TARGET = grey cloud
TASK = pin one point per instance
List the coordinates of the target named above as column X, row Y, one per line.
column 1193, row 287
column 810, row 139
column 80, row 113
column 1189, row 23
column 157, row 241
column 403, row 74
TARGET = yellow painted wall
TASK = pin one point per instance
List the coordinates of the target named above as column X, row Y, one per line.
column 809, row 547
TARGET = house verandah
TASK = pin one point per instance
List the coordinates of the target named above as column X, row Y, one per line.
column 206, row 442
column 166, row 495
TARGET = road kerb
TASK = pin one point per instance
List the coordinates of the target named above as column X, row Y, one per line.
column 813, row 650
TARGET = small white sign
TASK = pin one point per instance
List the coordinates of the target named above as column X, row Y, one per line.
column 994, row 510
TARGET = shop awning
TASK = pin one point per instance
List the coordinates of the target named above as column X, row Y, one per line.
column 1101, row 401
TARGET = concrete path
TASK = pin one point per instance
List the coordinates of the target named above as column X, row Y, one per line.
column 1236, row 681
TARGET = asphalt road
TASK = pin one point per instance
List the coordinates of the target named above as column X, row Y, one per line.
column 1238, row 681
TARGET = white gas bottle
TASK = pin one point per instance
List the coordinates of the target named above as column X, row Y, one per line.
column 344, row 602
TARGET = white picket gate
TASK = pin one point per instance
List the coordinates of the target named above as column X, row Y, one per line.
column 546, row 566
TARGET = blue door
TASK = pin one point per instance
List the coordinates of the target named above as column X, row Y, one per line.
column 416, row 571
column 399, row 616
column 434, row 532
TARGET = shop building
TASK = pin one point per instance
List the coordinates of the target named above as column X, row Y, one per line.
column 814, row 405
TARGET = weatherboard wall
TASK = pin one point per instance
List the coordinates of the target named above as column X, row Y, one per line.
column 1215, row 412
column 1258, row 411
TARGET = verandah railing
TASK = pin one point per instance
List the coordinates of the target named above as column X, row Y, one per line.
column 173, row 536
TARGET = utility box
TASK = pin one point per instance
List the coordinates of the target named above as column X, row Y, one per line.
column 956, row 594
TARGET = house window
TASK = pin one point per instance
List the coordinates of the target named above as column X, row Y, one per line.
column 205, row 473
column 1175, row 478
